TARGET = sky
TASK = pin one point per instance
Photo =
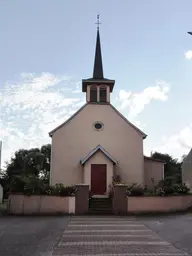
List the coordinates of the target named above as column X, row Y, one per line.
column 47, row 48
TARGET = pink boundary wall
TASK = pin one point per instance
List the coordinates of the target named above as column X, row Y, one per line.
column 158, row 204
column 20, row 204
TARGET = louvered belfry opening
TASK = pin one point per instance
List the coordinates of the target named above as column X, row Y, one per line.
column 103, row 94
column 103, row 86
column 93, row 94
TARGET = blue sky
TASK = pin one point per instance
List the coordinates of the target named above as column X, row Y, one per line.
column 47, row 47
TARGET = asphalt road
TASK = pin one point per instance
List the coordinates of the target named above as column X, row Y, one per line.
column 176, row 229
column 37, row 236
column 30, row 236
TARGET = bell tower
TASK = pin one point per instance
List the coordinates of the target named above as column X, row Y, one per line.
column 98, row 88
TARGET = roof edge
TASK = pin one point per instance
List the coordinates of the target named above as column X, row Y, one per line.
column 69, row 119
column 153, row 159
column 135, row 127
column 94, row 151
column 94, row 80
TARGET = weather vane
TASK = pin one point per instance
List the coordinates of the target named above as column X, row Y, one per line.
column 98, row 23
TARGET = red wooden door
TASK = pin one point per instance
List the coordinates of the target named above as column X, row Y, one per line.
column 98, row 179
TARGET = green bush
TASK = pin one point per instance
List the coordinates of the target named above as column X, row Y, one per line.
column 135, row 190
column 116, row 179
column 163, row 188
column 33, row 186
column 159, row 192
column 181, row 189
column 17, row 185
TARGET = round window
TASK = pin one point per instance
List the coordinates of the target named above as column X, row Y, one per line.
column 98, row 125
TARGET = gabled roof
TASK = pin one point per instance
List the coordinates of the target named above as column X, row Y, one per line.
column 188, row 158
column 68, row 120
column 122, row 116
column 153, row 159
column 78, row 111
column 92, row 152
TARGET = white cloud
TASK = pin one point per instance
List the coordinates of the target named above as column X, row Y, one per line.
column 33, row 106
column 188, row 55
column 135, row 102
column 77, row 91
column 177, row 144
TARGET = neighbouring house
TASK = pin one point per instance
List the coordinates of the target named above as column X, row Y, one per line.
column 187, row 170
column 1, row 193
column 98, row 142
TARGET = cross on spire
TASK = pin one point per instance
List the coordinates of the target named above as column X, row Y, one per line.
column 98, row 66
column 98, row 23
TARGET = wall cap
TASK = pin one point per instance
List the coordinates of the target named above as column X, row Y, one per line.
column 82, row 184
column 120, row 185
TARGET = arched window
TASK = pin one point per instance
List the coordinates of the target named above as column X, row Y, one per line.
column 93, row 94
column 103, row 94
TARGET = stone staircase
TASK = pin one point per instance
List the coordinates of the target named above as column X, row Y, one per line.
column 100, row 206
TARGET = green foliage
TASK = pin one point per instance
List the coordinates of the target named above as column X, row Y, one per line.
column 33, row 186
column 181, row 189
column 164, row 188
column 172, row 167
column 60, row 190
column 135, row 190
column 159, row 192
column 117, row 179
column 32, row 163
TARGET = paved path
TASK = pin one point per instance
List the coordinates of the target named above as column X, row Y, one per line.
column 107, row 236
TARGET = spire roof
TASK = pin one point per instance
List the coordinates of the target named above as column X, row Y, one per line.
column 98, row 66
column 98, row 77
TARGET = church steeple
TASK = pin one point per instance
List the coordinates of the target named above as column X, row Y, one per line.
column 98, row 66
column 98, row 88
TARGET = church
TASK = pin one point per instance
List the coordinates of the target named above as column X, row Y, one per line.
column 187, row 170
column 98, row 143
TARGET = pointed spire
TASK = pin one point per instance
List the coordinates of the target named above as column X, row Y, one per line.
column 98, row 66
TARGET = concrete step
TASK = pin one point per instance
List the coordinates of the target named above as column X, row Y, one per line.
column 99, row 206
column 100, row 212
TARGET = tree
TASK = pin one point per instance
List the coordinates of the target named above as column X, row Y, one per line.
column 32, row 163
column 172, row 167
column 45, row 171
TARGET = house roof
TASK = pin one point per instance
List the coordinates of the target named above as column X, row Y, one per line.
column 95, row 150
column 91, row 81
column 98, row 65
column 98, row 77
column 188, row 158
column 68, row 120
column 153, row 159
column 122, row 116
column 76, row 113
